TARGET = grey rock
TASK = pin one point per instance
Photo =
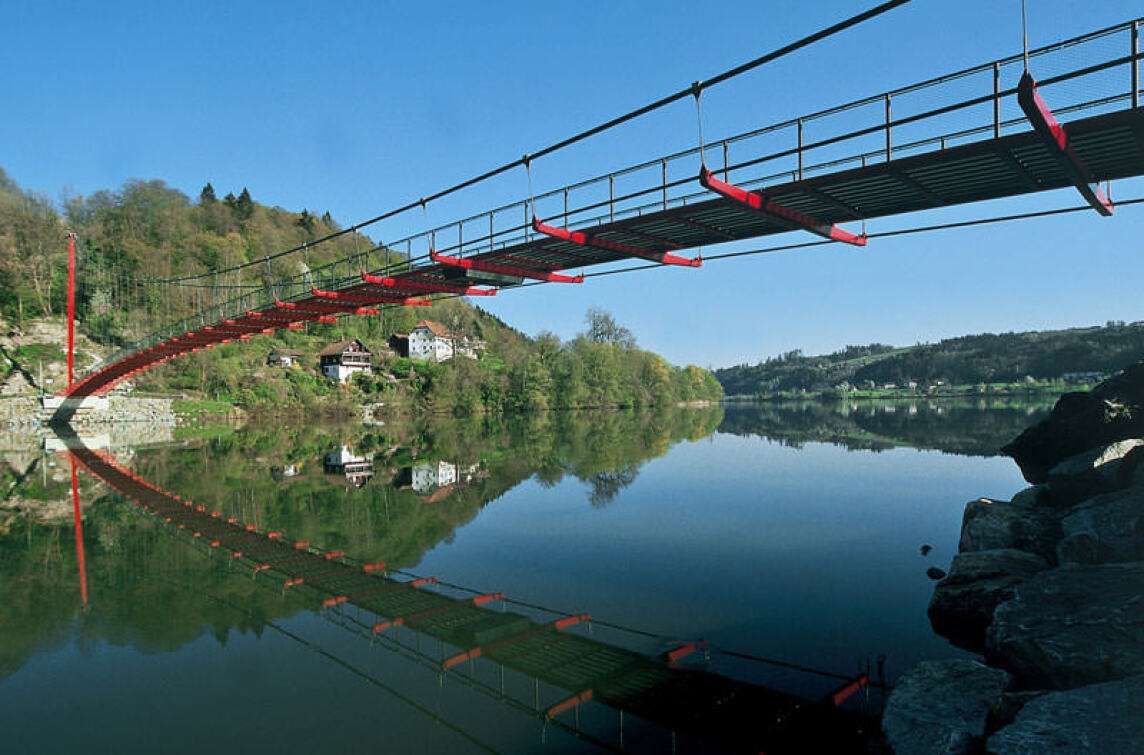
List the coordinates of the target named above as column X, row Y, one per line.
column 1105, row 529
column 1112, row 411
column 1095, row 471
column 935, row 573
column 1023, row 523
column 940, row 707
column 963, row 603
column 1071, row 626
column 1102, row 719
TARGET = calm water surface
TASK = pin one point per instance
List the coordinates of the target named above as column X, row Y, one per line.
column 778, row 533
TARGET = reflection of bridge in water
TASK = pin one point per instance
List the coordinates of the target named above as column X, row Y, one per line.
column 716, row 709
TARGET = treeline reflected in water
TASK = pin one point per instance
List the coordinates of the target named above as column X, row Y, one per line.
column 965, row 427
column 385, row 493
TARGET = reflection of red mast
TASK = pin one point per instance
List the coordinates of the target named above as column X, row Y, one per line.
column 78, row 531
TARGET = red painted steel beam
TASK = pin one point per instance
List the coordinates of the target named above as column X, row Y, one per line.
column 1057, row 140
column 348, row 307
column 71, row 321
column 490, row 267
column 753, row 200
column 403, row 284
column 369, row 299
column 583, row 239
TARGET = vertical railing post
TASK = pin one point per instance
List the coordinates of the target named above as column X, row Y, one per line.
column 1135, row 29
column 800, row 149
column 663, row 169
column 71, row 312
column 726, row 162
column 888, row 119
column 996, row 100
column 491, row 233
column 611, row 197
column 460, row 239
column 565, row 206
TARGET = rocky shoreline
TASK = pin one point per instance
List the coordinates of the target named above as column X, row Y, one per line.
column 1049, row 589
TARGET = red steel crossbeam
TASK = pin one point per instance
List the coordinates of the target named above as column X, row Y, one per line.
column 326, row 308
column 404, row 284
column 1057, row 140
column 753, row 200
column 369, row 299
column 583, row 239
column 491, row 267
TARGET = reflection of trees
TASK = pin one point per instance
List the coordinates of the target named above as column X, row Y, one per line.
column 971, row 428
column 133, row 563
column 607, row 485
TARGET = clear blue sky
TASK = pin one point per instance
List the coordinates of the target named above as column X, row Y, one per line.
column 357, row 107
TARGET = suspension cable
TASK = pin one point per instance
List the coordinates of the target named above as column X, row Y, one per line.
column 600, row 128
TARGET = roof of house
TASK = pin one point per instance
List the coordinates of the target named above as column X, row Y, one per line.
column 436, row 328
column 340, row 347
column 288, row 352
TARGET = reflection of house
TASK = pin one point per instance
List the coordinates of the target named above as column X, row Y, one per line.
column 435, row 480
column 429, row 475
column 433, row 342
column 286, row 472
column 343, row 465
column 342, row 359
column 284, row 358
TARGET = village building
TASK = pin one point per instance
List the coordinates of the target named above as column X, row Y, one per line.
column 433, row 342
column 284, row 358
column 339, row 361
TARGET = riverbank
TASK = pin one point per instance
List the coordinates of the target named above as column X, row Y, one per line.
column 1049, row 588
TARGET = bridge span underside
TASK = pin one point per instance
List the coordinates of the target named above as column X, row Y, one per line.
column 871, row 171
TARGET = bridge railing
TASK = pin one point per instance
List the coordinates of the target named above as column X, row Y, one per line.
column 1090, row 74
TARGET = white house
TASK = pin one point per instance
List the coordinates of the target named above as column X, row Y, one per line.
column 431, row 341
column 284, row 358
column 342, row 359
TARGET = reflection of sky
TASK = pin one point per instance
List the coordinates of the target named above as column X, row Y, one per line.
column 810, row 554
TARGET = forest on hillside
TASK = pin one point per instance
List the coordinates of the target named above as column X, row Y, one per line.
column 152, row 230
column 1064, row 356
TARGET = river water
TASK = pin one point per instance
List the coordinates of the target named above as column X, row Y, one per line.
column 787, row 537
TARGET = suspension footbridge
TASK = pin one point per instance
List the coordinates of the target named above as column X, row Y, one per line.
column 973, row 135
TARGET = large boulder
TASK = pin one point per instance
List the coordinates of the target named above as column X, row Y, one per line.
column 1112, row 411
column 941, row 707
column 1072, row 626
column 1023, row 523
column 963, row 603
column 1095, row 471
column 1098, row 719
column 1106, row 529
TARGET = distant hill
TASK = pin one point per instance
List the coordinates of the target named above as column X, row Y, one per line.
column 1044, row 356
